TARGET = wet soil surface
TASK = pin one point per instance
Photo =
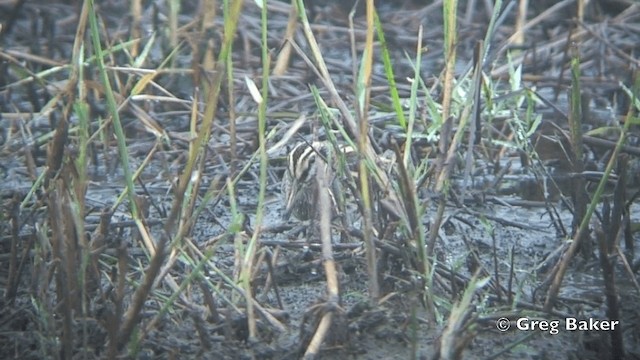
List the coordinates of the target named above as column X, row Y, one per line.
column 508, row 222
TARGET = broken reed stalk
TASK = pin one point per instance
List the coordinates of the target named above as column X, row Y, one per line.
column 174, row 9
column 114, row 320
column 450, row 43
column 323, row 179
column 608, row 276
column 63, row 257
column 618, row 221
column 521, row 19
column 135, row 9
column 282, row 62
column 578, row 194
column 318, row 337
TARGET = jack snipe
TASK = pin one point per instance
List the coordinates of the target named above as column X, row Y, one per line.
column 299, row 185
column 311, row 163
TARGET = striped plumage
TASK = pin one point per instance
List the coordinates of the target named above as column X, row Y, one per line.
column 300, row 182
column 299, row 186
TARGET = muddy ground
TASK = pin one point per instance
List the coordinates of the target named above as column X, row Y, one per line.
column 506, row 222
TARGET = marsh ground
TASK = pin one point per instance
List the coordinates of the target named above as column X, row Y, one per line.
column 505, row 220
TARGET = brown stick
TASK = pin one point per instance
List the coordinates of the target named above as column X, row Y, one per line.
column 608, row 276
